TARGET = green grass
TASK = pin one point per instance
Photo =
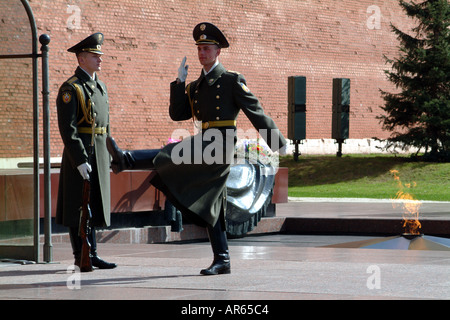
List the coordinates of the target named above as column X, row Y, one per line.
column 366, row 176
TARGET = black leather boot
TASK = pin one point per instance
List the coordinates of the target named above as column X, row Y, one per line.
column 130, row 160
column 76, row 243
column 96, row 260
column 219, row 244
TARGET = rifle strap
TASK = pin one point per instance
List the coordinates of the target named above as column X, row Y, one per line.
column 191, row 103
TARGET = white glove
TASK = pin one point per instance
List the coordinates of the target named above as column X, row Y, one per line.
column 84, row 169
column 183, row 70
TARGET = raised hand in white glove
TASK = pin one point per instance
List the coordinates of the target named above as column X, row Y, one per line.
column 183, row 70
column 84, row 169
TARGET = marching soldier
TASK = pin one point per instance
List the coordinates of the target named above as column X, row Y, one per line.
column 83, row 111
column 198, row 190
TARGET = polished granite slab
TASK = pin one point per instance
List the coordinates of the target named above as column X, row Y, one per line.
column 268, row 267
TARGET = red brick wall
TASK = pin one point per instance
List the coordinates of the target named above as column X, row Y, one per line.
column 16, row 104
column 269, row 41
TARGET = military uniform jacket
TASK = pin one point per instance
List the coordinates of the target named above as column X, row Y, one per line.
column 200, row 188
column 76, row 133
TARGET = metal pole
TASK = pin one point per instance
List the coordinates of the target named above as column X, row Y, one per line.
column 48, row 252
column 296, row 152
column 35, row 128
column 339, row 152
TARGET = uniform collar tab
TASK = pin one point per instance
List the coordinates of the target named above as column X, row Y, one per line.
column 214, row 74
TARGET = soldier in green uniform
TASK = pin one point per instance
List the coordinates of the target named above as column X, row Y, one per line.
column 83, row 117
column 193, row 173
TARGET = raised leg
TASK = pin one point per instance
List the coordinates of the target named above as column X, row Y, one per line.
column 130, row 160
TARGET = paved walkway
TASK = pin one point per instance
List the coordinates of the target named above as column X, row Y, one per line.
column 264, row 267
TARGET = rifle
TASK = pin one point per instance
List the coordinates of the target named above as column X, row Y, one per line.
column 84, row 229
column 86, row 216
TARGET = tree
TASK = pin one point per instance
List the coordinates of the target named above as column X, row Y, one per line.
column 419, row 115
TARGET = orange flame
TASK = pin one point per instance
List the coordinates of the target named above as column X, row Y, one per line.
column 410, row 205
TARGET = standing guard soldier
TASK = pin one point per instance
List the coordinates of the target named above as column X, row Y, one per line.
column 215, row 99
column 83, row 111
